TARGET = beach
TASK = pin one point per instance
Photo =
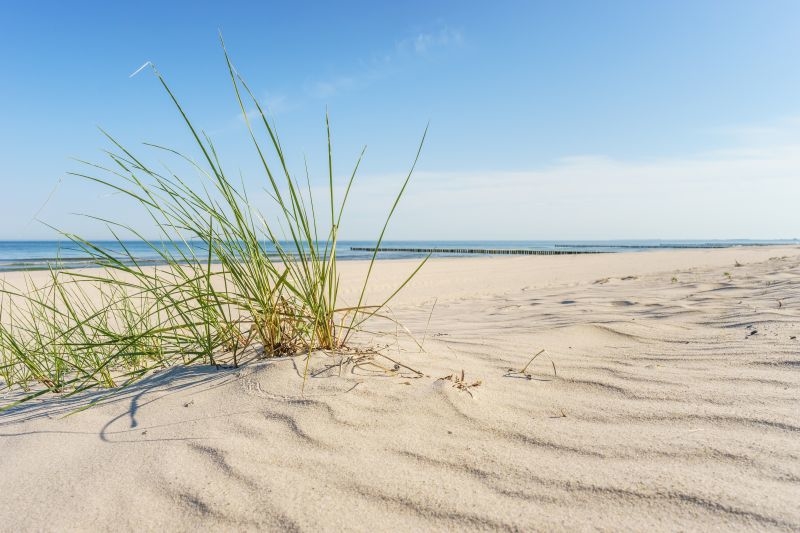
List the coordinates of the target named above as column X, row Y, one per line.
column 665, row 397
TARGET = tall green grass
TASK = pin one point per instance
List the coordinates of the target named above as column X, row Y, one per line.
column 205, row 304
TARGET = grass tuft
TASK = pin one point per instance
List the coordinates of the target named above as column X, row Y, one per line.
column 232, row 282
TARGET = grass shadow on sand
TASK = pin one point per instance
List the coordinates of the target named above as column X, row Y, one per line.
column 161, row 384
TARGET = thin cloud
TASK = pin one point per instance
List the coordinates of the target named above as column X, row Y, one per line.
column 327, row 88
column 780, row 131
column 423, row 43
column 272, row 104
column 420, row 44
column 737, row 192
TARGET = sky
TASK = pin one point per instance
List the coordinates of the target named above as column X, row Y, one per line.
column 547, row 120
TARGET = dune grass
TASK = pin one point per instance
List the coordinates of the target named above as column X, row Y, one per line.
column 232, row 280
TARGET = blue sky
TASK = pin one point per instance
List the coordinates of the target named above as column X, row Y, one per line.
column 548, row 120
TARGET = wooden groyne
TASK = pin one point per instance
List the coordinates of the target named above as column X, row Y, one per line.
column 497, row 251
column 651, row 246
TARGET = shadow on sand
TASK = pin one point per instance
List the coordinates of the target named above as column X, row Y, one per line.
column 161, row 384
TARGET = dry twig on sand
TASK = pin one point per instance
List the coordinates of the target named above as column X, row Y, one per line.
column 523, row 372
column 460, row 382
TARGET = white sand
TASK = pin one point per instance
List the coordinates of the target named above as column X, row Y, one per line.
column 666, row 413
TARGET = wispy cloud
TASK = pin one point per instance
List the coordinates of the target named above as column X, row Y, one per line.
column 779, row 131
column 744, row 191
column 423, row 42
column 327, row 88
column 272, row 104
column 378, row 66
column 383, row 63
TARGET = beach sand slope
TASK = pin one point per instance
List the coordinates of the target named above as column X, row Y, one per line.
column 667, row 398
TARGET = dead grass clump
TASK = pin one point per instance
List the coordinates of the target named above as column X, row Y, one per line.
column 460, row 382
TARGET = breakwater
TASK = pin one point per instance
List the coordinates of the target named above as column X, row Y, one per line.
column 488, row 251
column 654, row 246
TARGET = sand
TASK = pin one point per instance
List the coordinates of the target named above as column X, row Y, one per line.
column 668, row 398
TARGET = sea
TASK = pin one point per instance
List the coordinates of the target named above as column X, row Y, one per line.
column 44, row 255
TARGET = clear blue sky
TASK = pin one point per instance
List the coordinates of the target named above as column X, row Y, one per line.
column 549, row 120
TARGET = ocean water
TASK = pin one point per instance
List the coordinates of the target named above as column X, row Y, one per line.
column 41, row 255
